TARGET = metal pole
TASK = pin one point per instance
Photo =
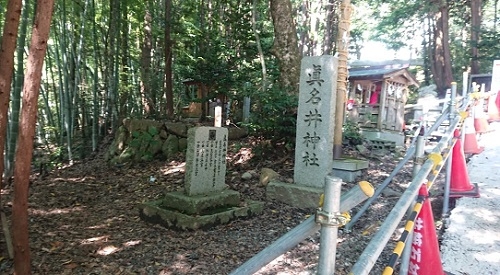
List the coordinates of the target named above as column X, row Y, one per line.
column 330, row 222
column 379, row 189
column 446, row 199
column 406, row 158
column 349, row 200
column 379, row 241
column 417, row 165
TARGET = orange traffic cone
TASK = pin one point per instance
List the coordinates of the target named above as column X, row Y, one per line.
column 424, row 257
column 460, row 186
column 470, row 140
column 480, row 122
column 493, row 114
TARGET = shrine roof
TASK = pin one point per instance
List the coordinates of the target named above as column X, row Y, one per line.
column 371, row 73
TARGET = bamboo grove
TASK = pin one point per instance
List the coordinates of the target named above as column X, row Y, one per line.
column 107, row 60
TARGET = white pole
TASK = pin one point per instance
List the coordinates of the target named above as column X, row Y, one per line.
column 218, row 116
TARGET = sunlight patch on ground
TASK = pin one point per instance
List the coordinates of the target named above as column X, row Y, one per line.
column 55, row 211
column 72, row 179
column 100, row 226
column 175, row 168
column 107, row 250
column 244, row 155
column 132, row 243
column 492, row 257
column 94, row 240
column 483, row 236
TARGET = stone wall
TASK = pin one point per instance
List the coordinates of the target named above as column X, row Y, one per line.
column 139, row 140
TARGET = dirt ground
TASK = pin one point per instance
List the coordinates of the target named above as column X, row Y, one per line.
column 84, row 220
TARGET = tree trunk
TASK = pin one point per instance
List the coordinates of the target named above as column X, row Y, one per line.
column 146, row 91
column 441, row 57
column 25, row 139
column 330, row 31
column 475, row 6
column 124, row 75
column 169, row 90
column 285, row 46
column 15, row 104
column 7, row 50
column 8, row 45
column 259, row 45
column 112, row 77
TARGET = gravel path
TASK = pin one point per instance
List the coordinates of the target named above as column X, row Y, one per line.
column 471, row 243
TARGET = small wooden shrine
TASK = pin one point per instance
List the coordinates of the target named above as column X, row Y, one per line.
column 376, row 100
column 199, row 106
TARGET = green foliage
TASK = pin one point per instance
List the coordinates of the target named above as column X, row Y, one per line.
column 153, row 131
column 352, row 133
column 275, row 114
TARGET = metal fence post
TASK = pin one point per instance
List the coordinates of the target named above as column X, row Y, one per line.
column 330, row 219
column 417, row 165
column 446, row 197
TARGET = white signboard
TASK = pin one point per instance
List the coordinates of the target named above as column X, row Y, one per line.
column 495, row 77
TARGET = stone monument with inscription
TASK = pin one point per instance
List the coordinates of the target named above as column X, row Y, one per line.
column 206, row 200
column 314, row 137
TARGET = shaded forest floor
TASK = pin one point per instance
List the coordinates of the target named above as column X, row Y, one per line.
column 84, row 219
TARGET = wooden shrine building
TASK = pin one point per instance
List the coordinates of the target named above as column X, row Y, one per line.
column 376, row 100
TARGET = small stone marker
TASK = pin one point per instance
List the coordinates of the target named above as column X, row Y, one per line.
column 246, row 108
column 315, row 120
column 206, row 160
column 206, row 201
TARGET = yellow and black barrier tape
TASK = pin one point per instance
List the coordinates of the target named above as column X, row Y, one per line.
column 398, row 250
column 476, row 95
column 437, row 160
column 463, row 115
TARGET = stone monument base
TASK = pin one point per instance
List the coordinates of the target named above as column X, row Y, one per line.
column 296, row 195
column 395, row 136
column 182, row 212
column 200, row 204
column 348, row 169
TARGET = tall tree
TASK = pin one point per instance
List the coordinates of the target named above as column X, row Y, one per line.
column 169, row 92
column 285, row 46
column 330, row 31
column 8, row 47
column 475, row 6
column 148, row 94
column 7, row 50
column 440, row 51
column 111, row 75
column 15, row 104
column 24, row 151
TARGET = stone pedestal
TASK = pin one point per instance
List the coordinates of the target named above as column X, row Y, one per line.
column 348, row 169
column 205, row 201
column 156, row 212
column 297, row 195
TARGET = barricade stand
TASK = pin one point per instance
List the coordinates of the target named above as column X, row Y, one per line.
column 424, row 258
column 493, row 100
column 470, row 139
column 460, row 185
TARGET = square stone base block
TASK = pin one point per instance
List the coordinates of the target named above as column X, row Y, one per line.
column 154, row 212
column 296, row 195
column 200, row 204
column 348, row 169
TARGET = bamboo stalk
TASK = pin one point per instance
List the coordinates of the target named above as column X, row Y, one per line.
column 6, row 233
